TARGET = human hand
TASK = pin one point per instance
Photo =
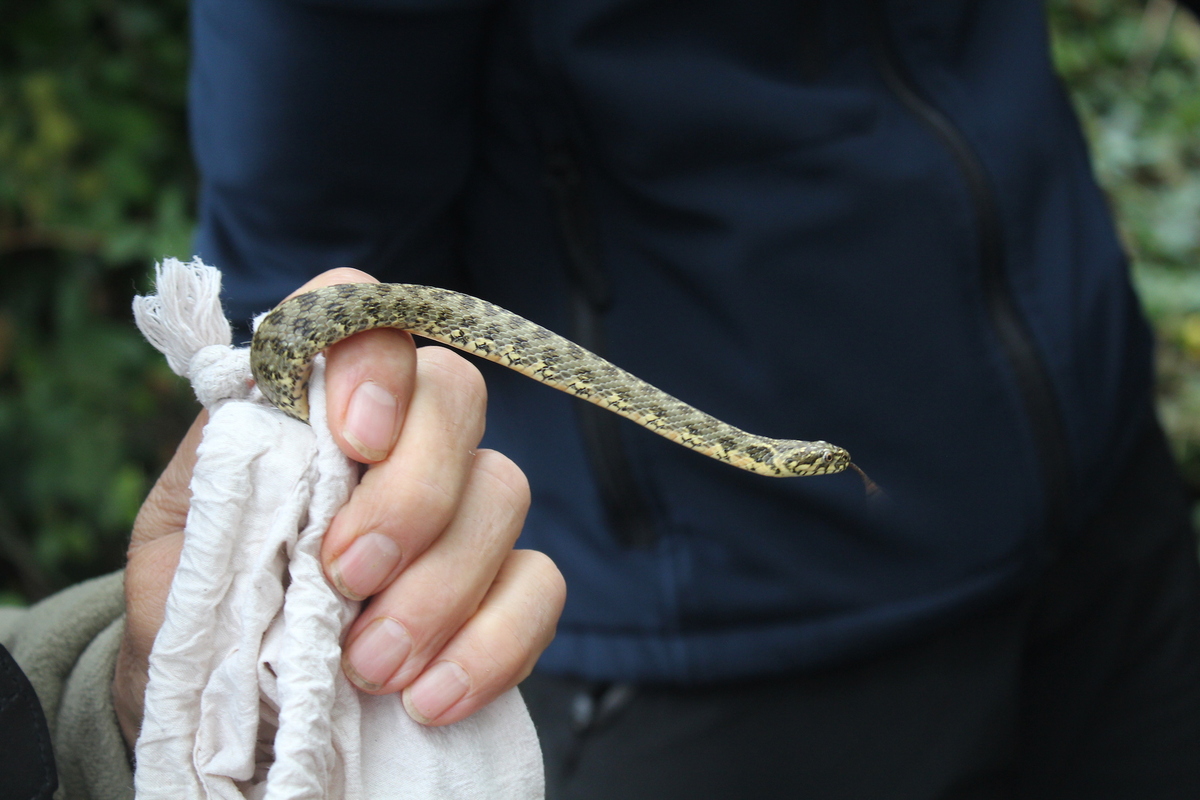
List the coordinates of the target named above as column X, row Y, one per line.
column 456, row 616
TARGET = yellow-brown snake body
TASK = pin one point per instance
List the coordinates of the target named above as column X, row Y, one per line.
column 288, row 339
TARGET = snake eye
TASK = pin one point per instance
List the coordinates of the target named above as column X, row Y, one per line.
column 827, row 456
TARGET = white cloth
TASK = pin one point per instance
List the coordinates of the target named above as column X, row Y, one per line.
column 246, row 695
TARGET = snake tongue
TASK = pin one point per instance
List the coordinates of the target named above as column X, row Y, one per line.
column 869, row 486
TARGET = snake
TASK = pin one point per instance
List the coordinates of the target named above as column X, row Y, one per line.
column 288, row 339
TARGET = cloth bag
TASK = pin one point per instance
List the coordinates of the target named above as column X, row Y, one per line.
column 246, row 697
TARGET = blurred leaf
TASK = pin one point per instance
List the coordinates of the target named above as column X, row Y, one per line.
column 1134, row 73
column 95, row 185
column 92, row 127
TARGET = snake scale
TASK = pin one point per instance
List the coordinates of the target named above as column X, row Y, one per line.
column 288, row 339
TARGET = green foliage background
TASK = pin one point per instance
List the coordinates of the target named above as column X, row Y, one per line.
column 96, row 185
column 1134, row 72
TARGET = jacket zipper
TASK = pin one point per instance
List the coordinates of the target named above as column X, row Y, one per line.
column 1016, row 339
column 627, row 510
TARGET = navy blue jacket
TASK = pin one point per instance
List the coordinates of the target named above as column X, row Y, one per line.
column 870, row 221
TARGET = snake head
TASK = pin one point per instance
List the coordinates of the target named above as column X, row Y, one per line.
column 817, row 458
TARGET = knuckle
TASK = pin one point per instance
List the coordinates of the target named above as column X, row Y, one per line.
column 415, row 514
column 345, row 275
column 505, row 660
column 410, row 507
column 430, row 500
column 507, row 479
column 498, row 659
column 453, row 373
column 523, row 625
column 333, row 277
column 547, row 580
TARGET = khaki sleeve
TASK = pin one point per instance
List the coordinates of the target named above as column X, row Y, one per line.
column 67, row 646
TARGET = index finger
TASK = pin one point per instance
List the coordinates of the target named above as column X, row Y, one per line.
column 368, row 381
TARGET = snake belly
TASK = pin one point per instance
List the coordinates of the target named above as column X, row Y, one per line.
column 290, row 337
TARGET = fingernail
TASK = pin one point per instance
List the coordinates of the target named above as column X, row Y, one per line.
column 376, row 653
column 359, row 571
column 441, row 686
column 371, row 421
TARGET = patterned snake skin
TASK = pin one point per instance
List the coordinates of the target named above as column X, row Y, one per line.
column 290, row 337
